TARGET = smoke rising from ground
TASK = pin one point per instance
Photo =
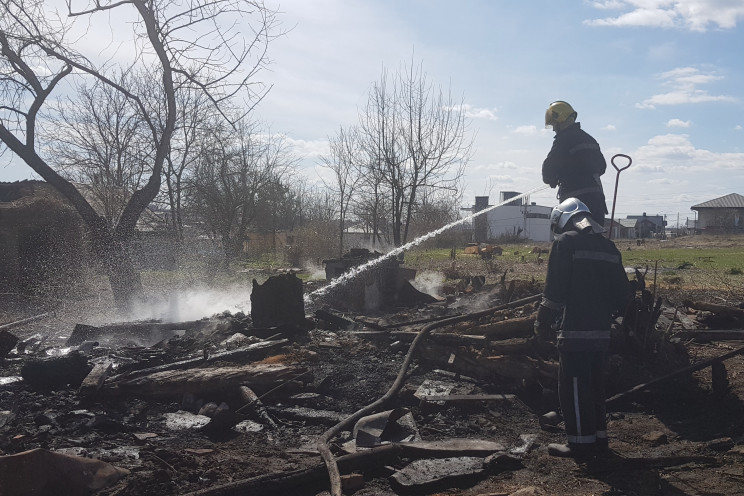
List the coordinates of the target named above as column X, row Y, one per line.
column 195, row 303
column 429, row 282
column 314, row 270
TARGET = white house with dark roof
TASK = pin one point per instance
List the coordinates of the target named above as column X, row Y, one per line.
column 724, row 214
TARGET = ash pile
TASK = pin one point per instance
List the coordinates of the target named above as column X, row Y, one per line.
column 407, row 392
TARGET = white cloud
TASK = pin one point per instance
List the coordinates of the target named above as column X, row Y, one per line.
column 649, row 168
column 501, row 178
column 490, row 166
column 678, row 123
column 684, row 82
column 738, row 127
column 694, row 15
column 309, row 148
column 610, row 127
column 476, row 112
column 608, row 5
column 662, row 180
column 676, row 152
column 525, row 130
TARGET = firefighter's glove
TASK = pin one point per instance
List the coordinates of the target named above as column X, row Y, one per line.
column 544, row 325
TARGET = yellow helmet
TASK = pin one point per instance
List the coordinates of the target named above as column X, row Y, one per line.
column 559, row 115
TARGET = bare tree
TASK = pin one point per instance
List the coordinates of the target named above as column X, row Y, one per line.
column 344, row 163
column 100, row 141
column 179, row 45
column 235, row 174
column 191, row 130
column 416, row 138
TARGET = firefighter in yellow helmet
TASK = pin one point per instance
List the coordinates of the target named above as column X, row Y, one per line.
column 575, row 162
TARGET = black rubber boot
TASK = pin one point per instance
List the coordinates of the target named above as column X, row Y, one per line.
column 602, row 446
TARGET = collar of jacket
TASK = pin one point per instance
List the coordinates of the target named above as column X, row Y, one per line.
column 573, row 128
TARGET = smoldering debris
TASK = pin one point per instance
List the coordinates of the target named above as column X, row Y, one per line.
column 250, row 413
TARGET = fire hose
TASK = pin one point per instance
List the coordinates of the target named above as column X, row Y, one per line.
column 322, row 445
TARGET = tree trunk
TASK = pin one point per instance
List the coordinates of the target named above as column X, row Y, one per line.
column 125, row 281
column 126, row 284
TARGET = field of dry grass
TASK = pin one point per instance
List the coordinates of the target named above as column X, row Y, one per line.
column 698, row 267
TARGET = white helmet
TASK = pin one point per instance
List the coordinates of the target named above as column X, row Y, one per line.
column 569, row 208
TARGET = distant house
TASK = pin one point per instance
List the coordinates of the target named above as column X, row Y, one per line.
column 623, row 228
column 724, row 214
column 526, row 221
column 648, row 226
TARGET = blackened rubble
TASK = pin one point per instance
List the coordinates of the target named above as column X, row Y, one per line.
column 186, row 410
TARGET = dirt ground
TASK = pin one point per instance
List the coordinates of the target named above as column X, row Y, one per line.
column 680, row 437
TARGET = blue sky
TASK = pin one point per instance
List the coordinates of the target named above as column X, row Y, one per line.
column 659, row 80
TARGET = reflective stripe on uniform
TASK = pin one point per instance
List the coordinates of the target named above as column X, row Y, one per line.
column 576, row 404
column 584, row 334
column 596, row 255
column 583, row 146
column 581, row 439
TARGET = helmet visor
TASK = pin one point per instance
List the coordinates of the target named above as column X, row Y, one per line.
column 549, row 119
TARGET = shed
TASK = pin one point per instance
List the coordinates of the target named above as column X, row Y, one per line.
column 623, row 228
column 723, row 214
column 648, row 225
column 526, row 221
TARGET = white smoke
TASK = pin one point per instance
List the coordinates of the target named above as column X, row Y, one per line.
column 194, row 303
column 429, row 282
column 315, row 270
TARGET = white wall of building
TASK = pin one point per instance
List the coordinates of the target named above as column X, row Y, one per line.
column 533, row 220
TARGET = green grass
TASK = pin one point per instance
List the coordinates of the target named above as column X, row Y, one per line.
column 510, row 252
column 715, row 259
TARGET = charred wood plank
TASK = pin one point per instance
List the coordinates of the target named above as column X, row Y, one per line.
column 521, row 327
column 83, row 332
column 516, row 346
column 338, row 321
column 309, row 415
column 686, row 370
column 95, row 379
column 446, row 338
column 419, row 321
column 469, row 397
column 707, row 335
column 253, row 403
column 206, row 380
column 56, row 372
column 714, row 308
column 250, row 352
column 431, row 474
column 284, row 483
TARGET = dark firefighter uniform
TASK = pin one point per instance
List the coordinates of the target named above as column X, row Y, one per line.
column 575, row 164
column 585, row 281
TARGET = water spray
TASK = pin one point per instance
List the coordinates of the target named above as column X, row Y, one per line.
column 395, row 252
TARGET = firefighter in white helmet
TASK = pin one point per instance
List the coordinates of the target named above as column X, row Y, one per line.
column 585, row 287
column 575, row 162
